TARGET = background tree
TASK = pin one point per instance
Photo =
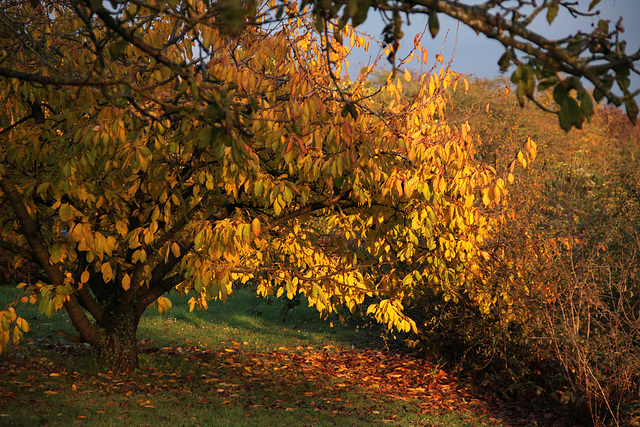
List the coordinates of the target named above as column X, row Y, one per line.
column 598, row 57
column 152, row 146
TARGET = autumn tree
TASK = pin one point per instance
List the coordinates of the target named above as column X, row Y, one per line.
column 151, row 146
column 598, row 56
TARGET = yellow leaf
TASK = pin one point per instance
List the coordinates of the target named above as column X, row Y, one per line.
column 532, row 148
column 84, row 277
column 22, row 324
column 99, row 243
column 442, row 185
column 126, row 282
column 107, row 273
column 164, row 304
column 255, row 227
column 407, row 75
column 175, row 249
column 522, row 160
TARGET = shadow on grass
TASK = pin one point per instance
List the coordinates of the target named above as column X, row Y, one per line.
column 259, row 323
column 240, row 363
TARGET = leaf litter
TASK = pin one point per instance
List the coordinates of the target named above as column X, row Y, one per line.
column 331, row 380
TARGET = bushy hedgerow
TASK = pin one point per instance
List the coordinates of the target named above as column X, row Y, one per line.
column 563, row 274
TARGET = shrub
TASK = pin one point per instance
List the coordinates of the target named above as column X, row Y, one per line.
column 559, row 306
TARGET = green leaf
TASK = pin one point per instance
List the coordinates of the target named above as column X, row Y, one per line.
column 338, row 36
column 258, row 187
column 604, row 26
column 623, row 82
column 505, row 61
column 546, row 84
column 586, row 105
column 351, row 8
column 360, row 15
column 144, row 150
column 570, row 114
column 597, row 95
column 632, row 109
column 552, row 12
column 349, row 109
column 517, row 75
column 560, row 94
column 117, row 49
column 593, row 4
column 434, row 25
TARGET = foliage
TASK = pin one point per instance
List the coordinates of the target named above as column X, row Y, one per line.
column 563, row 271
column 598, row 56
column 166, row 149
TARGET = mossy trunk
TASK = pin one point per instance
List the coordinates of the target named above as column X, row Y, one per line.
column 118, row 348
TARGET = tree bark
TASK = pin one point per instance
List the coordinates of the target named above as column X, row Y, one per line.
column 117, row 350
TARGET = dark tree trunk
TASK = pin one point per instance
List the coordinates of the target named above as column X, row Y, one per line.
column 117, row 350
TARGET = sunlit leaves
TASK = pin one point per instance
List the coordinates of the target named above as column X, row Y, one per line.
column 163, row 304
column 256, row 165
column 12, row 327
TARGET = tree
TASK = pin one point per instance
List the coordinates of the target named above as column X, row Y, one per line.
column 599, row 57
column 152, row 146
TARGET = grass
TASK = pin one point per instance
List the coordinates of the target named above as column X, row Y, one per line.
column 245, row 363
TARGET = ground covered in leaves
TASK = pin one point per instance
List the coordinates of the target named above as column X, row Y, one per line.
column 51, row 383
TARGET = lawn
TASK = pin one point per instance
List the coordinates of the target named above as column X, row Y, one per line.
column 247, row 362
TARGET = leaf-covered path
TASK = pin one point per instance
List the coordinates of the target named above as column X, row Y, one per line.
column 304, row 385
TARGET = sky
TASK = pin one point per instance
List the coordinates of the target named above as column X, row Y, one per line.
column 478, row 55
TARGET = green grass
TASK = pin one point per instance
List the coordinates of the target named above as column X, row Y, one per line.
column 253, row 323
column 242, row 363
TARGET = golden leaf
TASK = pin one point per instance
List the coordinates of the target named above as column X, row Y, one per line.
column 255, row 227
column 126, row 282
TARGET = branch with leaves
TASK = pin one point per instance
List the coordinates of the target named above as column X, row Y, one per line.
column 598, row 57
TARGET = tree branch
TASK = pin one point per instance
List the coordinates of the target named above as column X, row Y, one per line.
column 55, row 81
column 157, row 291
column 549, row 52
column 308, row 209
column 30, row 230
column 107, row 18
column 16, row 249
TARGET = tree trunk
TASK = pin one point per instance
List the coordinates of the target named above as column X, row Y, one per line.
column 118, row 347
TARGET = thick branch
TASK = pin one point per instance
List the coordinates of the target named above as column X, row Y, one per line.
column 54, row 80
column 90, row 303
column 157, row 291
column 496, row 27
column 16, row 249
